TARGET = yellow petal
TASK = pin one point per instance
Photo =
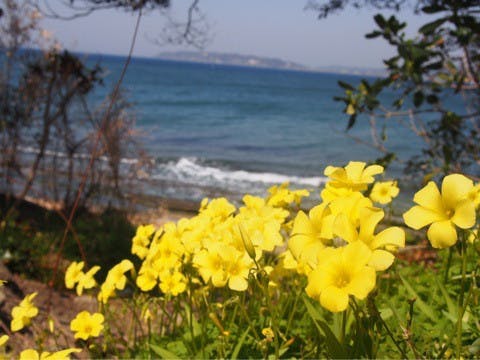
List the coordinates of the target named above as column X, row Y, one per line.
column 237, row 283
column 318, row 280
column 62, row 354
column 354, row 169
column 464, row 216
column 455, row 188
column 356, row 255
column 369, row 219
column 29, row 354
column 390, row 236
column 344, row 228
column 372, row 170
column 363, row 282
column 334, row 299
column 3, row 340
column 442, row 234
column 381, row 260
column 429, row 197
column 302, row 224
column 418, row 217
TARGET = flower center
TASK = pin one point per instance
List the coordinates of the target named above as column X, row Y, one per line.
column 88, row 329
column 450, row 213
column 342, row 280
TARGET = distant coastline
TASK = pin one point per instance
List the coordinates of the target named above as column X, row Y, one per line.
column 216, row 58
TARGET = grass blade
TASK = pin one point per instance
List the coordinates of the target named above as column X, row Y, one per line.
column 163, row 353
column 424, row 308
column 239, row 345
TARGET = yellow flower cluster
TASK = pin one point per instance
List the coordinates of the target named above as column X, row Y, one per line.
column 222, row 242
column 337, row 244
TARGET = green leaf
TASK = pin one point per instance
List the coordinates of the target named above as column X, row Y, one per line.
column 345, row 85
column 239, row 345
column 430, row 27
column 380, row 20
column 351, row 121
column 163, row 353
column 335, row 349
column 373, row 34
column 424, row 308
column 452, row 308
column 433, row 9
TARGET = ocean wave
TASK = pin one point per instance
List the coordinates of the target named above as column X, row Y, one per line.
column 192, row 170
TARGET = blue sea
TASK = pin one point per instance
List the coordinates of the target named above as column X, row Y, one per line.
column 216, row 130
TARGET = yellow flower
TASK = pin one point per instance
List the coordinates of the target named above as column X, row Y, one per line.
column 224, row 264
column 354, row 176
column 330, row 193
column 341, row 272
column 116, row 279
column 87, row 325
column 210, row 265
column 261, row 222
column 73, row 274
column 116, row 275
column 147, row 278
column 86, row 281
column 282, row 196
column 390, row 238
column 384, row 192
column 23, row 313
column 351, row 206
column 217, row 209
column 31, row 354
column 442, row 211
column 173, row 283
column 141, row 240
column 2, row 282
column 311, row 233
column 268, row 333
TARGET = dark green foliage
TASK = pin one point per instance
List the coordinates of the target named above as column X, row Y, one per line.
column 442, row 61
column 30, row 238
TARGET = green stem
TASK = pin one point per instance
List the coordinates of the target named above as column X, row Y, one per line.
column 344, row 327
column 461, row 300
column 276, row 329
column 292, row 312
column 190, row 314
column 245, row 315
column 447, row 268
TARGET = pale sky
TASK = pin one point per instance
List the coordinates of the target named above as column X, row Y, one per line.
column 271, row 28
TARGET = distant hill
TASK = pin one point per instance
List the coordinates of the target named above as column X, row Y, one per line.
column 231, row 59
column 207, row 57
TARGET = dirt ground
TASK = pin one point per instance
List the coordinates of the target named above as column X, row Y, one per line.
column 60, row 306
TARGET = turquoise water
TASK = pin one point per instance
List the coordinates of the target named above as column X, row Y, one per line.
column 215, row 130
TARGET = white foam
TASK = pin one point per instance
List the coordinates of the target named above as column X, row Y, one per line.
column 190, row 170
